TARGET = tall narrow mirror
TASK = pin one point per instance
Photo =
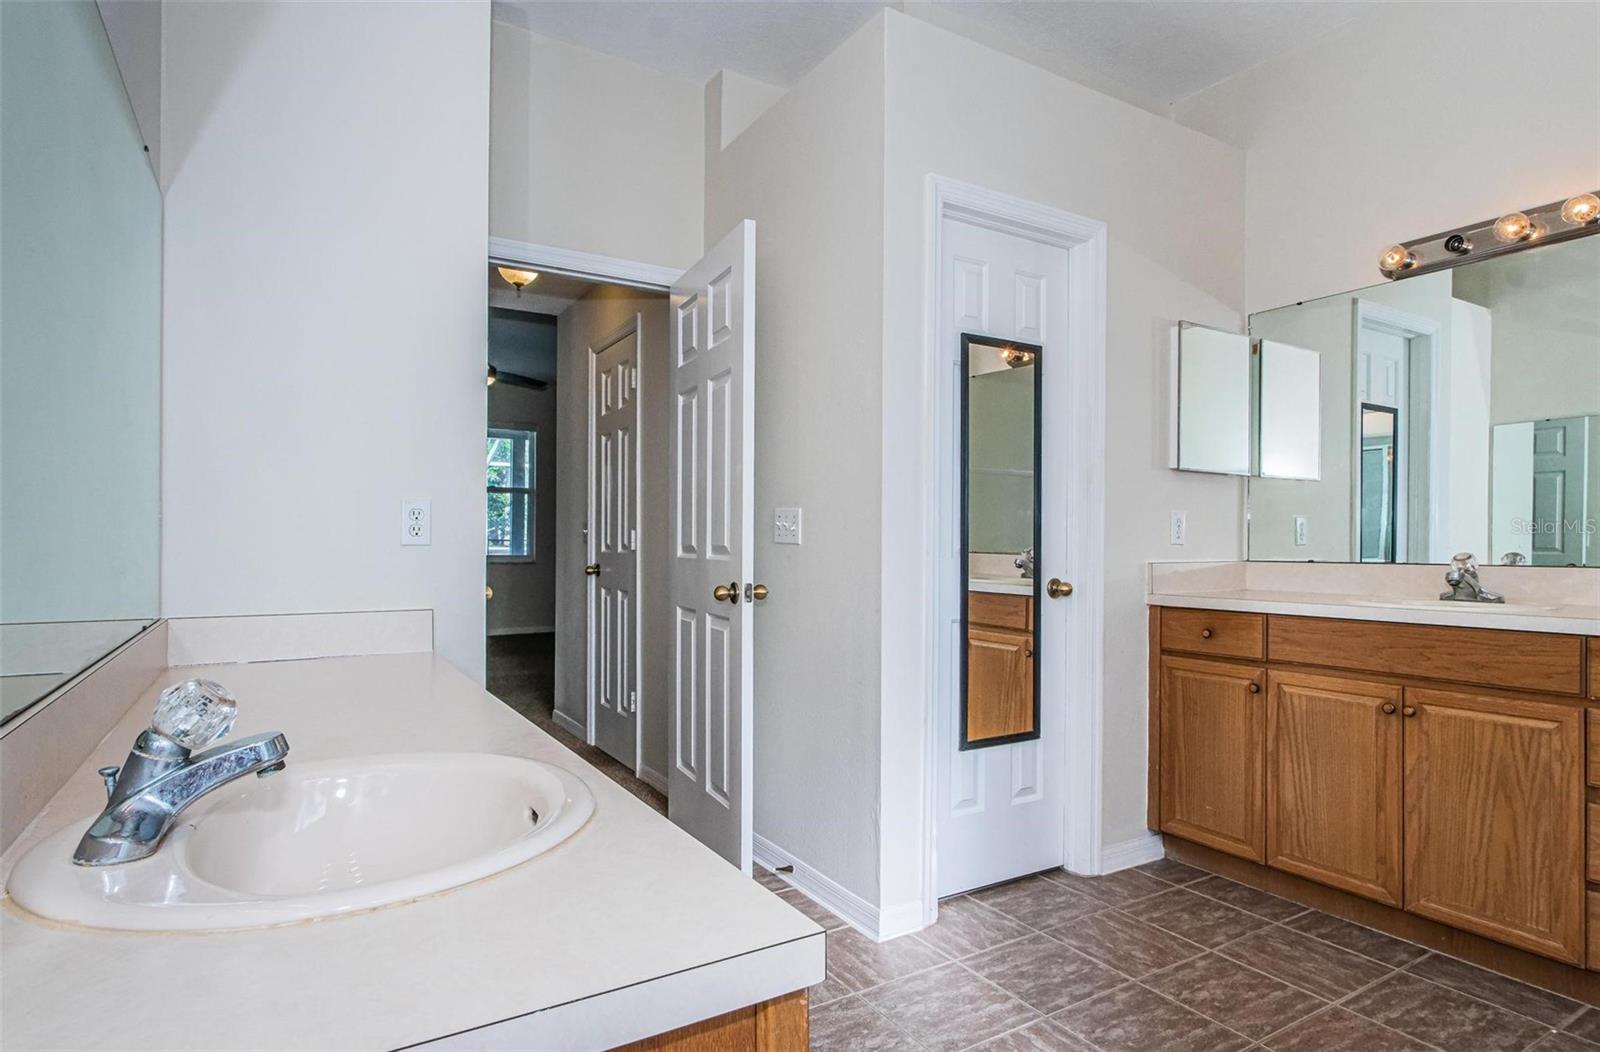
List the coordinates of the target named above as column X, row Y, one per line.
column 1000, row 533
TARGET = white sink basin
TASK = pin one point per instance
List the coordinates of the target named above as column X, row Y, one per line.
column 317, row 839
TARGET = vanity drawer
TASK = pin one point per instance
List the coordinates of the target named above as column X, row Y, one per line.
column 1216, row 632
column 999, row 610
column 1482, row 657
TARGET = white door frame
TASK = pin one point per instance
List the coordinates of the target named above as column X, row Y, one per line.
column 611, row 271
column 1422, row 363
column 1085, row 242
column 633, row 326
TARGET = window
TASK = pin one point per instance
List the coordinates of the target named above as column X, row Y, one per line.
column 511, row 483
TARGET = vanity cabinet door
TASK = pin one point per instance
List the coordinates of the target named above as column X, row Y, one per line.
column 1213, row 738
column 999, row 683
column 1494, row 797
column 1333, row 782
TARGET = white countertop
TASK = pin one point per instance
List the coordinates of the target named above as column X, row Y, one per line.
column 1001, row 586
column 1562, row 620
column 628, row 929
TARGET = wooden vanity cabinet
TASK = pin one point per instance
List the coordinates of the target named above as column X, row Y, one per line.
column 1213, row 740
column 1495, row 807
column 1334, row 781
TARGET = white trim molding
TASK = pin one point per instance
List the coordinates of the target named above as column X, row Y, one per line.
column 815, row 885
column 576, row 264
column 570, row 725
column 653, row 778
column 1085, row 241
column 1147, row 847
column 522, row 630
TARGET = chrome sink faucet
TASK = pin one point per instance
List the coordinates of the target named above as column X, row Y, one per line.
column 1462, row 577
column 1024, row 562
column 162, row 776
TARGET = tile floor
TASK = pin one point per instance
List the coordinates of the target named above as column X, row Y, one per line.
column 1159, row 958
column 1163, row 958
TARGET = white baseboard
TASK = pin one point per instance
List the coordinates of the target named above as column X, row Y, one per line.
column 570, row 725
column 855, row 910
column 521, row 630
column 653, row 778
column 1130, row 853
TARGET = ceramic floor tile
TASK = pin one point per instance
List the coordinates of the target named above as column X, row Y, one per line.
column 852, row 1025
column 1587, row 1025
column 1551, row 1009
column 1045, row 974
column 1248, row 898
column 1043, row 1036
column 1561, row 1042
column 1302, row 961
column 1128, row 945
column 1385, row 949
column 1235, row 996
column 830, row 989
column 1133, row 1018
column 1114, row 889
column 1195, row 917
column 966, row 927
column 949, row 1008
column 1336, row 1030
column 1444, row 1018
column 860, row 964
column 769, row 880
column 812, row 909
column 1172, row 871
column 1038, row 903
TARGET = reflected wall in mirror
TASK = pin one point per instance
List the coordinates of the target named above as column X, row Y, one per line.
column 1000, row 533
column 80, row 353
column 1460, row 411
column 1214, row 407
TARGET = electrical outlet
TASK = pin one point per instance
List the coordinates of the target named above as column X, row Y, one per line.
column 1180, row 527
column 416, row 522
column 786, row 526
column 1299, row 531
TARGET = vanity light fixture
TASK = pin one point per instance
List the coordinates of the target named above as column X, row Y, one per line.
column 517, row 279
column 1016, row 357
column 1577, row 216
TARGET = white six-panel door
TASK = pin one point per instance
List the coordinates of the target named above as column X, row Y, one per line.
column 713, row 522
column 613, row 543
column 1000, row 812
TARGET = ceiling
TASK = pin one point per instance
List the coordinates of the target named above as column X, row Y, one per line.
column 1147, row 52
column 548, row 294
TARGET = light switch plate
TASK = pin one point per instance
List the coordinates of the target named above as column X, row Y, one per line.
column 416, row 522
column 1180, row 527
column 1300, row 531
column 786, row 526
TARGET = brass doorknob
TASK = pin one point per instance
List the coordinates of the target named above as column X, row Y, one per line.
column 1058, row 589
column 592, row 570
column 755, row 592
column 488, row 592
column 726, row 593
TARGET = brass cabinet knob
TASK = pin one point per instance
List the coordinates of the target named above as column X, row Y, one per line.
column 1255, row 688
column 1058, row 589
column 726, row 593
column 1409, row 710
column 755, row 592
column 1205, row 633
column 592, row 570
column 1388, row 708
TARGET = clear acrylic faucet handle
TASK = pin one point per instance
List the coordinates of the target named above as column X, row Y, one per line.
column 195, row 713
column 1464, row 561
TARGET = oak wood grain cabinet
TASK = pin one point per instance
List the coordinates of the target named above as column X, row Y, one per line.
column 1494, row 830
column 999, row 665
column 1334, row 781
column 780, row 1025
column 1213, row 740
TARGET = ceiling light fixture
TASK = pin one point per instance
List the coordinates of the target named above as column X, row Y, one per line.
column 493, row 376
column 1577, row 216
column 517, row 279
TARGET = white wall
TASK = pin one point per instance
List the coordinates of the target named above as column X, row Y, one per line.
column 525, row 590
column 325, row 309
column 593, row 153
column 580, row 330
column 1417, row 117
column 809, row 171
column 134, row 29
column 1173, row 201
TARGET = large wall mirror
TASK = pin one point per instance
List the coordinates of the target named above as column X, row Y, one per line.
column 1000, row 534
column 80, row 354
column 1459, row 411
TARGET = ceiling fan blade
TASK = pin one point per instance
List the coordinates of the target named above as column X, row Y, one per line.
column 518, row 380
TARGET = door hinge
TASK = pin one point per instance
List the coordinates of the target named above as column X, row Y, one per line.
column 633, row 377
column 633, row 540
column 633, row 701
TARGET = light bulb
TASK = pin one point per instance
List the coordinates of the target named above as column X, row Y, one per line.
column 1397, row 258
column 1513, row 227
column 1585, row 208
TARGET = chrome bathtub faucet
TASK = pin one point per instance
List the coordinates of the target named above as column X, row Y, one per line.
column 162, row 776
column 1462, row 577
